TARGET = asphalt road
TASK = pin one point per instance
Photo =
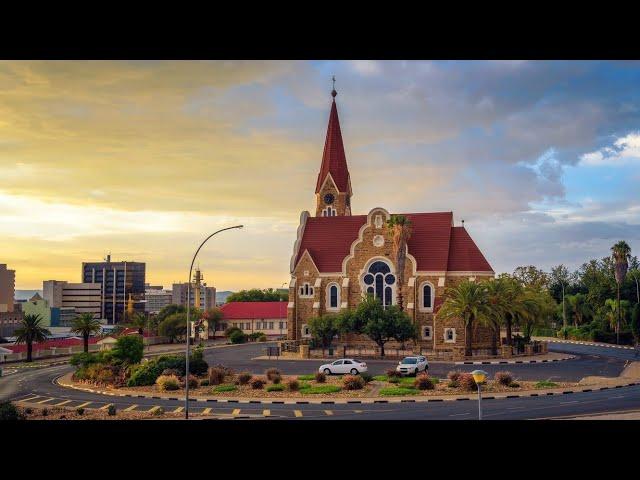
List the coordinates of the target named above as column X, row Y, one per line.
column 37, row 386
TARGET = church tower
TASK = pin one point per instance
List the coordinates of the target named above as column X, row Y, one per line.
column 333, row 188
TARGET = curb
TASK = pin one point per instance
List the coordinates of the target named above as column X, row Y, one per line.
column 347, row 401
column 590, row 344
column 523, row 362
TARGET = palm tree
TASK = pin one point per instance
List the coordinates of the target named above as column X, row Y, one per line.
column 513, row 289
column 497, row 298
column 614, row 311
column 86, row 326
column 31, row 331
column 621, row 252
column 467, row 301
column 580, row 308
column 401, row 228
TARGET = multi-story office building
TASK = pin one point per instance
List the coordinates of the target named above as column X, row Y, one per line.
column 73, row 299
column 120, row 281
column 156, row 298
column 7, row 288
column 201, row 296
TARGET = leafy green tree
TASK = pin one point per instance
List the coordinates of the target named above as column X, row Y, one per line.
column 213, row 316
column 562, row 278
column 467, row 301
column 615, row 312
column 128, row 349
column 531, row 276
column 323, row 329
column 173, row 326
column 257, row 295
column 382, row 324
column 86, row 326
column 621, row 253
column 635, row 323
column 634, row 274
column 31, row 330
column 401, row 229
column 405, row 328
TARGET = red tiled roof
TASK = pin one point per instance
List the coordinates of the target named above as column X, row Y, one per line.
column 435, row 244
column 334, row 160
column 253, row 310
column 64, row 343
column 464, row 254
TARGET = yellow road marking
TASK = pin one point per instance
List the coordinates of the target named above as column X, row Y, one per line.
column 46, row 400
column 236, row 411
column 30, row 399
column 266, row 413
column 357, row 411
column 64, row 402
column 328, row 412
column 179, row 409
column 84, row 404
column 297, row 413
column 105, row 407
column 153, row 409
column 132, row 407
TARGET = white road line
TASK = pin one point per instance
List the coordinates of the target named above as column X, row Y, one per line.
column 64, row 402
column 567, row 403
column 459, row 414
column 82, row 405
column 46, row 400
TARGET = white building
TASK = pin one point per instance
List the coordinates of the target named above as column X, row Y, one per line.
column 156, row 299
column 83, row 297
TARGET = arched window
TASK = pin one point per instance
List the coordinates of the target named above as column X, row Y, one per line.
column 380, row 282
column 427, row 294
column 329, row 212
column 306, row 290
column 333, row 296
column 426, row 332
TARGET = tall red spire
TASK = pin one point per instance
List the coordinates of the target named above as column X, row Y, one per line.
column 334, row 160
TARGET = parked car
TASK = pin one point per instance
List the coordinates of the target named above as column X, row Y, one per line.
column 344, row 365
column 412, row 365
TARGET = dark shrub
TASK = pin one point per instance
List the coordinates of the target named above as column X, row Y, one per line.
column 229, row 331
column 146, row 374
column 28, row 410
column 193, row 382
column 276, row 379
column 454, row 375
column 111, row 411
column 8, row 411
column 227, row 371
column 176, row 362
column 80, row 411
column 393, row 373
column 453, row 384
column 171, row 371
column 293, row 385
column 244, row 378
column 237, row 337
column 467, row 382
column 366, row 377
column 321, row 377
column 45, row 412
column 353, row 382
column 257, row 383
column 198, row 366
column 271, row 372
column 204, row 383
column 503, row 378
column 514, row 385
column 423, row 382
column 216, row 376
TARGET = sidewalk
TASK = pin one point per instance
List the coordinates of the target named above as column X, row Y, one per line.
column 581, row 342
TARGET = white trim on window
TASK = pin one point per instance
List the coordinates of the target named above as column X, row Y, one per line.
column 305, row 331
column 305, row 290
column 335, row 307
column 427, row 332
column 422, row 308
column 446, row 335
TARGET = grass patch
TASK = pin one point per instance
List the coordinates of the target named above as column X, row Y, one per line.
column 381, row 378
column 435, row 380
column 276, row 388
column 394, row 391
column 306, row 377
column 224, row 388
column 321, row 389
column 545, row 384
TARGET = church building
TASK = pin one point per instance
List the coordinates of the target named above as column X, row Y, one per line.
column 338, row 258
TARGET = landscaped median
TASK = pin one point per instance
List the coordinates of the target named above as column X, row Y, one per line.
column 272, row 387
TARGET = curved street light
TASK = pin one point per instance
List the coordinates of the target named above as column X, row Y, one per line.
column 186, row 373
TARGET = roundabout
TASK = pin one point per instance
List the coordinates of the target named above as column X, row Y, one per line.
column 40, row 388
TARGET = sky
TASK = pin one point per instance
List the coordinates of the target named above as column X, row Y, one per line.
column 144, row 159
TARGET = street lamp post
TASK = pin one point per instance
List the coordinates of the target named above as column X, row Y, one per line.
column 479, row 376
column 186, row 373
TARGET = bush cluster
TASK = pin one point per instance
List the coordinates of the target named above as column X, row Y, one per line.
column 8, row 411
column 454, row 375
column 271, row 372
column 393, row 373
column 353, row 382
column 503, row 378
column 168, row 383
column 193, row 381
column 216, row 376
column 293, row 385
column 238, row 337
column 321, row 377
column 244, row 378
column 257, row 383
column 423, row 382
column 467, row 382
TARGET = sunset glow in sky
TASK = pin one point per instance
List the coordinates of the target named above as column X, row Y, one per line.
column 145, row 159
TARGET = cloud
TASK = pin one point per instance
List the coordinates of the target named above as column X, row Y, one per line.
column 624, row 151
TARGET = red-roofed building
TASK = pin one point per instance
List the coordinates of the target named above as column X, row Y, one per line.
column 338, row 258
column 269, row 318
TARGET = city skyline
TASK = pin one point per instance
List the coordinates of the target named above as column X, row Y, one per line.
column 144, row 159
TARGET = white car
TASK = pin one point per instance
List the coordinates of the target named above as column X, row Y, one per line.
column 342, row 366
column 412, row 365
